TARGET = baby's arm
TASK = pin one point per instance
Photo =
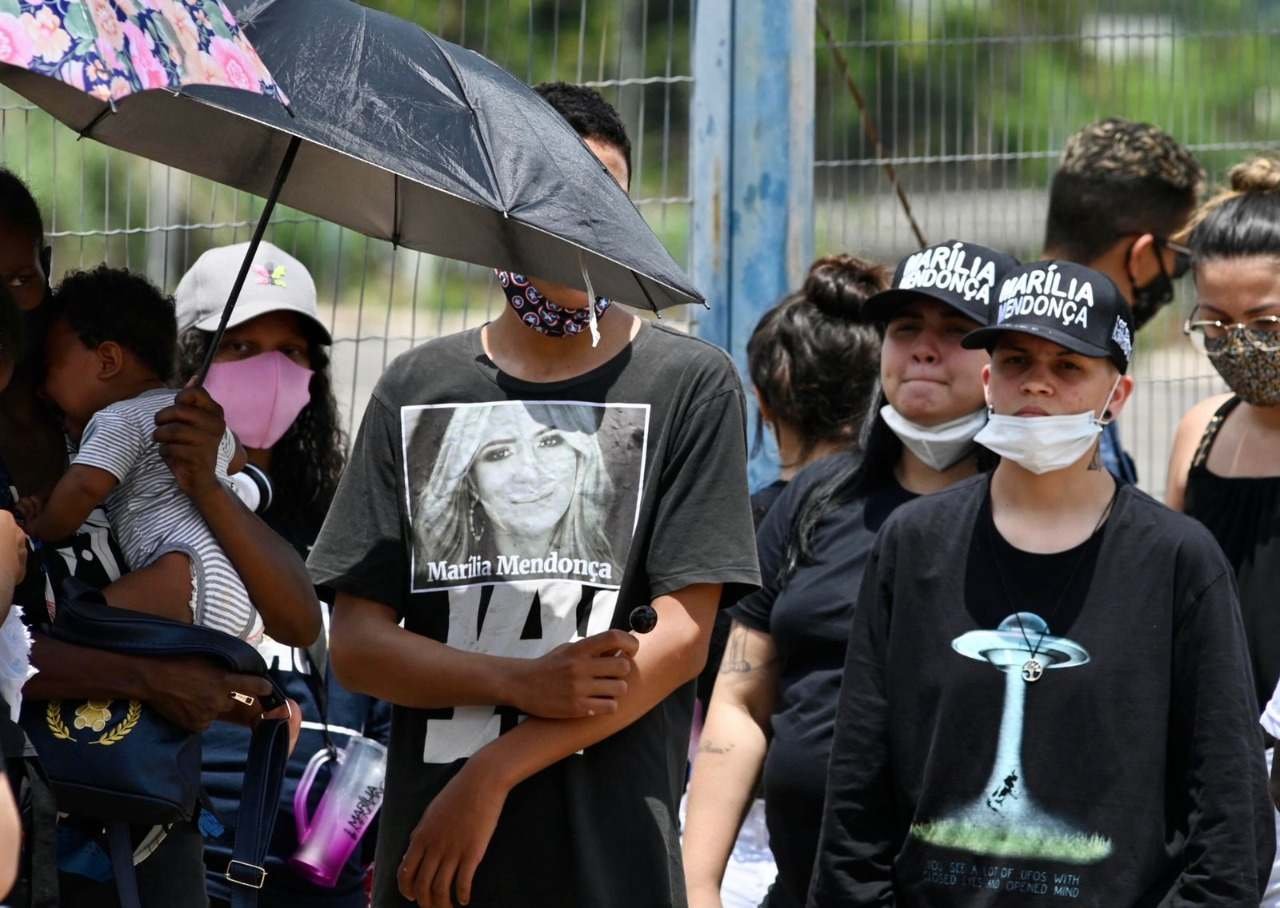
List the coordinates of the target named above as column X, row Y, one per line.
column 80, row 490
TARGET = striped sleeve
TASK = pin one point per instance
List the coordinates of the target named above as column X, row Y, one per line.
column 113, row 441
column 226, row 452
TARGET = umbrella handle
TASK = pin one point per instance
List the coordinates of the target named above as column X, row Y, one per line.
column 281, row 175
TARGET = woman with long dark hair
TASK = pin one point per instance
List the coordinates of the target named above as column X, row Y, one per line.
column 1225, row 466
column 271, row 376
column 780, row 674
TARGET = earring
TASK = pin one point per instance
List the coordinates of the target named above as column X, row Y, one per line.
column 476, row 534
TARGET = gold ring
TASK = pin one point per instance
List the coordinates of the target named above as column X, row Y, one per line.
column 243, row 698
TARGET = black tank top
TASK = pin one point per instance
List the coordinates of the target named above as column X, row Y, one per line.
column 1243, row 513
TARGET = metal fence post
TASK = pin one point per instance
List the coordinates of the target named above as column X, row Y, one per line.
column 752, row 166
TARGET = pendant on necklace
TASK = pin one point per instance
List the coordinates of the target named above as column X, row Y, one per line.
column 1032, row 671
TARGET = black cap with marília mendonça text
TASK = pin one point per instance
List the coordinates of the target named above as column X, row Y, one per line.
column 1069, row 304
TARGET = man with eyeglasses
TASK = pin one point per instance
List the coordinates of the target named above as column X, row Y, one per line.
column 1121, row 191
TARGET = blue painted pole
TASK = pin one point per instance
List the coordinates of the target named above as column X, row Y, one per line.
column 752, row 172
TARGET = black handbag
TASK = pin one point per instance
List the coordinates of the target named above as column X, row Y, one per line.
column 122, row 763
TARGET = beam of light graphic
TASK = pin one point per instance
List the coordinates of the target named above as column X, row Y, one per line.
column 1005, row 818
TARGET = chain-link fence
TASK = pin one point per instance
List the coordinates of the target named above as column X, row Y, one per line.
column 102, row 205
column 974, row 99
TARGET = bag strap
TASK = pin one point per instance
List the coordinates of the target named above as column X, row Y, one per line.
column 120, row 847
column 1211, row 432
column 259, row 804
column 315, row 681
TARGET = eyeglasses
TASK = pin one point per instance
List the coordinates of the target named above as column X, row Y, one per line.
column 1181, row 257
column 1212, row 335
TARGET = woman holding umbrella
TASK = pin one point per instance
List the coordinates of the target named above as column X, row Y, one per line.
column 1046, row 691
column 272, row 379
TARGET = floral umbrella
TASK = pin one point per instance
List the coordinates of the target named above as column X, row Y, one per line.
column 86, row 60
column 111, row 49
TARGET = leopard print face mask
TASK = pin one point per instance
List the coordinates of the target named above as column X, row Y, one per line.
column 1253, row 374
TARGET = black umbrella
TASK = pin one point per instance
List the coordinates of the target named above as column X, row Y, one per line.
column 402, row 136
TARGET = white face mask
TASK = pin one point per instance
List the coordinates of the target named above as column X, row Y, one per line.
column 1043, row 444
column 938, row 447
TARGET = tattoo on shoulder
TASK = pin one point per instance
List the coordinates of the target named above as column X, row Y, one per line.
column 711, row 747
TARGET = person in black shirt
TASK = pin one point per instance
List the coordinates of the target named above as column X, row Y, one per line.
column 813, row 362
column 1225, row 466
column 781, row 672
column 1046, row 697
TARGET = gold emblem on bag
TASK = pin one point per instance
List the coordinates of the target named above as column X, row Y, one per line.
column 94, row 715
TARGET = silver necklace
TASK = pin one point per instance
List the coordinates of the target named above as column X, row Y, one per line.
column 1033, row 669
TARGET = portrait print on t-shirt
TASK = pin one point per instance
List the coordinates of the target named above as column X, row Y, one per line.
column 523, row 514
column 1005, row 819
column 522, row 490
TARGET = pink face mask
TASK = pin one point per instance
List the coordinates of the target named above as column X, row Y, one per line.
column 260, row 396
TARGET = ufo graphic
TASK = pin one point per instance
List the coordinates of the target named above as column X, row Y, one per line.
column 1021, row 638
column 1005, row 818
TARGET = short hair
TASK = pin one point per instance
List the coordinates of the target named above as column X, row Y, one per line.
column 18, row 206
column 1117, row 178
column 814, row 359
column 112, row 304
column 590, row 115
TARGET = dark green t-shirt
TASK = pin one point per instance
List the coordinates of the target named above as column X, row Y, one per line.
column 508, row 517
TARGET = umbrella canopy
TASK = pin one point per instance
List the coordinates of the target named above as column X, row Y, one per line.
column 88, row 57
column 408, row 138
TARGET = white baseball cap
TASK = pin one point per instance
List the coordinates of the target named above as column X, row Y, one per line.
column 277, row 282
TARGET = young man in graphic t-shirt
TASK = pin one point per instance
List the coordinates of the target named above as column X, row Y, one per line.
column 513, row 496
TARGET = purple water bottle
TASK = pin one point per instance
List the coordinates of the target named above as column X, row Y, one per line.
column 350, row 802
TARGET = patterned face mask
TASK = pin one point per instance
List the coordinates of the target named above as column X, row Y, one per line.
column 1253, row 374
column 542, row 315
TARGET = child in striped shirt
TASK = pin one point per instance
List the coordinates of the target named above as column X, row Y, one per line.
column 110, row 353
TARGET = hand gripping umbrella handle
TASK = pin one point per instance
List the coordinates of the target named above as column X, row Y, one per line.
column 281, row 175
